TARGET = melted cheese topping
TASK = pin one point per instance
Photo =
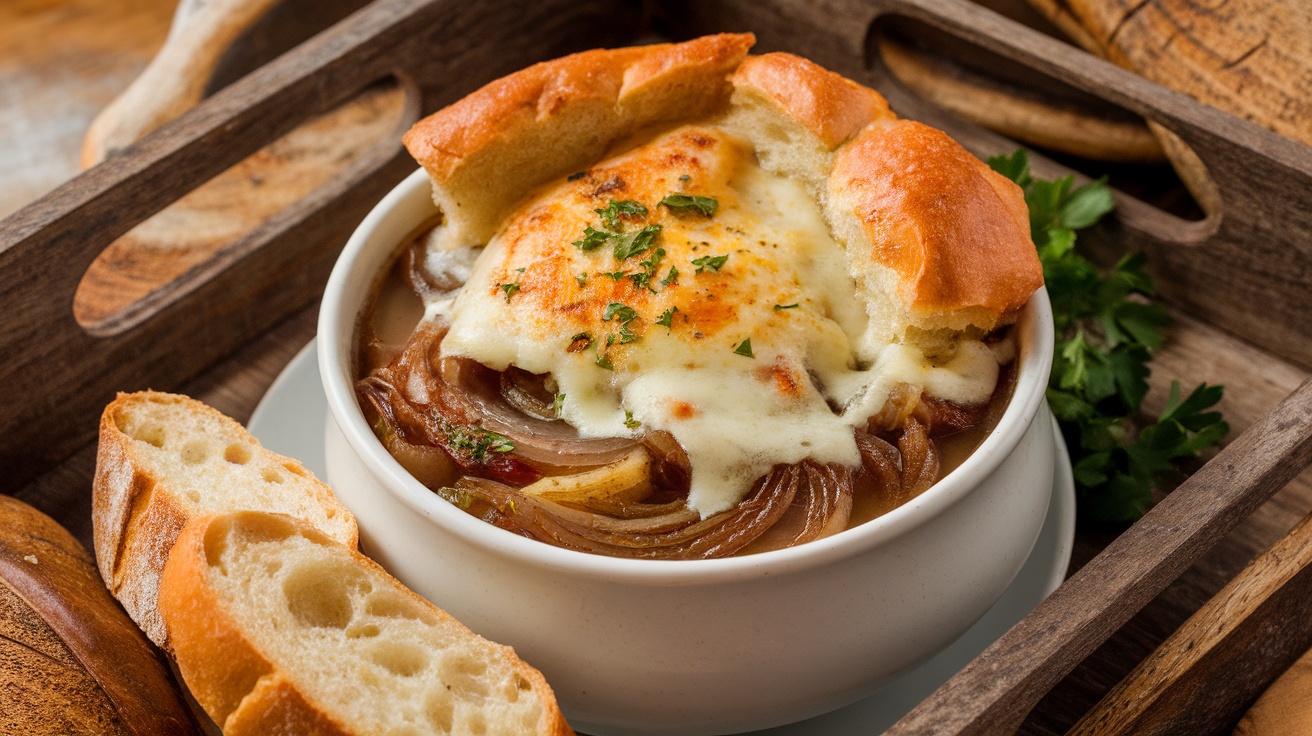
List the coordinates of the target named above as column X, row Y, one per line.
column 536, row 301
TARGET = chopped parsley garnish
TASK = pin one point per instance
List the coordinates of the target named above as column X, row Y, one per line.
column 643, row 278
column 712, row 262
column 667, row 317
column 582, row 279
column 613, row 214
column 779, row 307
column 629, row 421
column 1106, row 334
column 744, row 348
column 705, row 205
column 510, row 290
column 557, row 403
column 604, row 362
column 592, row 239
column 625, row 315
column 614, row 275
column 671, row 278
column 622, row 312
column 636, row 243
column 475, row 443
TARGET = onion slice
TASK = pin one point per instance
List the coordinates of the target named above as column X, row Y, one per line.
column 678, row 534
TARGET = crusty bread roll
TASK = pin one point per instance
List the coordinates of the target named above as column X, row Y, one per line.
column 164, row 459
column 935, row 239
column 278, row 629
column 71, row 662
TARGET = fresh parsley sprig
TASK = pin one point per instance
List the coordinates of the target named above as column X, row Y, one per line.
column 1107, row 331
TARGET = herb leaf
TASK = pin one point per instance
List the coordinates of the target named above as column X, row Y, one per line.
column 629, row 421
column 667, row 317
column 635, row 243
column 510, row 289
column 614, row 213
column 705, row 205
column 1107, row 331
column 592, row 239
column 781, row 307
column 622, row 312
column 712, row 262
column 744, row 348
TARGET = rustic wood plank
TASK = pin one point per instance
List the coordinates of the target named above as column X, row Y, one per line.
column 1223, row 656
column 995, row 692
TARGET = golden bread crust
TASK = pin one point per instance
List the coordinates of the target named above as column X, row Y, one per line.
column 955, row 231
column 832, row 107
column 553, row 118
column 241, row 685
column 136, row 514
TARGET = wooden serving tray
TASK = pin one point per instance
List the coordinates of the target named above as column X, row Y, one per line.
column 1237, row 280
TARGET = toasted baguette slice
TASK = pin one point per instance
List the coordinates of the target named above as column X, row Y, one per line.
column 164, row 459
column 278, row 629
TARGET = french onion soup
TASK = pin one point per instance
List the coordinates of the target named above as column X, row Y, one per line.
column 682, row 302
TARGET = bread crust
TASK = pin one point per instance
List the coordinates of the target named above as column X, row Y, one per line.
column 947, row 224
column 136, row 517
column 45, row 568
column 237, row 683
column 553, row 118
column 953, row 233
column 832, row 107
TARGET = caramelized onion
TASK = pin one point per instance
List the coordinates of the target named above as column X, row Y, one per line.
column 679, row 534
column 552, row 446
column 919, row 460
column 626, row 479
column 527, row 392
column 467, row 394
column 821, row 507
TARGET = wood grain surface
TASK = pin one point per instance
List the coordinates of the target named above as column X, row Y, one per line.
column 1252, row 58
column 1244, row 637
column 77, row 664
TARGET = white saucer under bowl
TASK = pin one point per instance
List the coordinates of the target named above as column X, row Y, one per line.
column 290, row 420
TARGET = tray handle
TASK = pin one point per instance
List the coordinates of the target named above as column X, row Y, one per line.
column 58, row 376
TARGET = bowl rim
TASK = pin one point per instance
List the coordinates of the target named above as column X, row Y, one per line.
column 337, row 317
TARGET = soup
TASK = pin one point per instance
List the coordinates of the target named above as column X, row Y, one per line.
column 622, row 496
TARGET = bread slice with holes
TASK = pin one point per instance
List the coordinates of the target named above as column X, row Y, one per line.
column 278, row 629
column 164, row 459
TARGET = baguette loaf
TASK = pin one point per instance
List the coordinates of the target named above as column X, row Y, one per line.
column 71, row 662
column 278, row 629
column 164, row 459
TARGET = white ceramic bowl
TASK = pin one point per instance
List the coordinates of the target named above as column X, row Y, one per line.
column 708, row 646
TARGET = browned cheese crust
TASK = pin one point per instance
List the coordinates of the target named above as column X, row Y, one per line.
column 954, row 233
